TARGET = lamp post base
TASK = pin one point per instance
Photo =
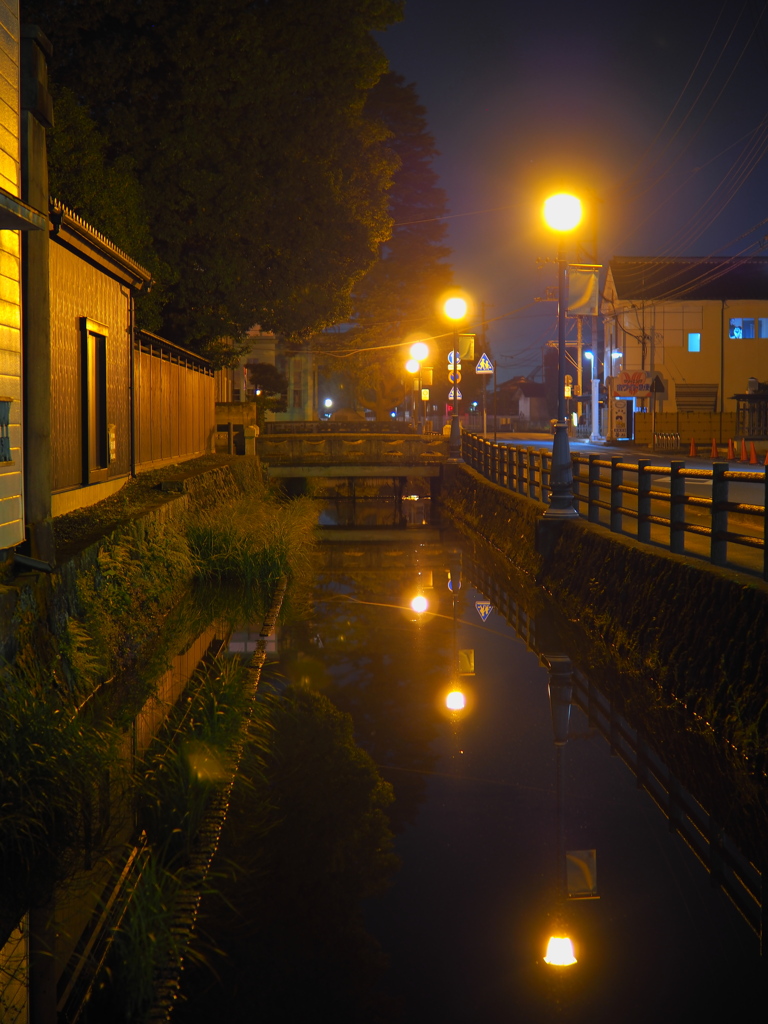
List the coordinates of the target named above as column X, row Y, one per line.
column 561, row 477
column 454, row 441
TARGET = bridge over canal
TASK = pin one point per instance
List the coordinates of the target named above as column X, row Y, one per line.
column 354, row 455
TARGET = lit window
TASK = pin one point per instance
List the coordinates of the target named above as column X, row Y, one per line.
column 694, row 342
column 741, row 327
column 762, row 327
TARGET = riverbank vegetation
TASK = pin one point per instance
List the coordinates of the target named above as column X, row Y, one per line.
column 116, row 615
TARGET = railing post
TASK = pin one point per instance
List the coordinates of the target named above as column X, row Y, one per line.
column 594, row 489
column 676, row 508
column 765, row 524
column 495, row 463
column 617, row 478
column 520, row 460
column 532, row 473
column 718, row 545
column 504, row 469
column 643, row 500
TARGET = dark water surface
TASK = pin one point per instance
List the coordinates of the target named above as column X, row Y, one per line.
column 480, row 828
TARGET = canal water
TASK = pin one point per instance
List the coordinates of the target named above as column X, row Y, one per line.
column 492, row 802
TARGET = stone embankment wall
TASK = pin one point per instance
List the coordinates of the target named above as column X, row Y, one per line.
column 697, row 632
column 34, row 605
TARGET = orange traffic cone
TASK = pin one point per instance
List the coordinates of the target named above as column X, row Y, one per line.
column 743, row 451
column 692, row 450
column 731, row 452
column 752, row 454
column 714, row 454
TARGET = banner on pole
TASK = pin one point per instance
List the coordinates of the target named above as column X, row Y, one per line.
column 583, row 289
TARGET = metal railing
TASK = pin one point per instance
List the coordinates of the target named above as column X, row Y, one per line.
column 625, row 490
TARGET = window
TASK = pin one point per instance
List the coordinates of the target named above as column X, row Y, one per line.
column 297, row 398
column 94, row 383
column 741, row 327
column 762, row 327
column 694, row 341
column 5, row 440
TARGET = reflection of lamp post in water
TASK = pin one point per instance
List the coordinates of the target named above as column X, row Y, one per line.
column 560, row 948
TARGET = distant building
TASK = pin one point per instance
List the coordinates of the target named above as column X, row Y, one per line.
column 685, row 334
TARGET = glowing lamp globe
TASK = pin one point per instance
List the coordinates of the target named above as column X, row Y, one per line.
column 419, row 604
column 562, row 212
column 419, row 351
column 559, row 952
column 412, row 366
column 455, row 308
column 455, row 701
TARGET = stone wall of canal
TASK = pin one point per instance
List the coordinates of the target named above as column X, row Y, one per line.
column 696, row 633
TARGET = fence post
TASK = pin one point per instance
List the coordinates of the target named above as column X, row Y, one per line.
column 617, row 478
column 594, row 489
column 718, row 545
column 643, row 500
column 765, row 524
column 504, row 455
column 676, row 508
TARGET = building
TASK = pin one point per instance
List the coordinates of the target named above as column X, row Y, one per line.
column 685, row 335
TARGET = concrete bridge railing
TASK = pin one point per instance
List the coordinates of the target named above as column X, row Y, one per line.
column 352, row 449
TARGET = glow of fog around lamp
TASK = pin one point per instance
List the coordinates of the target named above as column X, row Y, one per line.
column 419, row 604
column 559, row 952
column 455, row 701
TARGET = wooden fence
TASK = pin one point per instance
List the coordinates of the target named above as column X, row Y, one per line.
column 174, row 417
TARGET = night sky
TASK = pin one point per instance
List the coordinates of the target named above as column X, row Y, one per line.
column 658, row 110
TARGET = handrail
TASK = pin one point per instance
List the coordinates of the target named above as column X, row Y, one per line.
column 527, row 470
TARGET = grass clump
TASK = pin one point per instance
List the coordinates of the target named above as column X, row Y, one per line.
column 55, row 764
column 251, row 540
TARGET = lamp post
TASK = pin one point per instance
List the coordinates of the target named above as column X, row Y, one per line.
column 562, row 213
column 418, row 353
column 455, row 309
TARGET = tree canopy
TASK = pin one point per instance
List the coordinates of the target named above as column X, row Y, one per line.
column 263, row 177
column 397, row 297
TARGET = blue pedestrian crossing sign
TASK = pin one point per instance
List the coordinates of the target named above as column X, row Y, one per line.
column 484, row 365
column 454, row 395
column 484, row 609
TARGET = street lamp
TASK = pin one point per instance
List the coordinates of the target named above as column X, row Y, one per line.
column 455, row 309
column 562, row 213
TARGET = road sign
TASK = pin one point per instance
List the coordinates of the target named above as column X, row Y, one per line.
column 450, row 358
column 484, row 609
column 455, row 376
column 454, row 395
column 425, row 394
column 484, row 365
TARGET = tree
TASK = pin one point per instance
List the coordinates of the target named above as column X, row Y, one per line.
column 270, row 389
column 264, row 179
column 397, row 296
column 106, row 193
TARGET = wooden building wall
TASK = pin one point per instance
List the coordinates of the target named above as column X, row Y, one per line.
column 11, row 486
column 80, row 290
column 174, row 403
